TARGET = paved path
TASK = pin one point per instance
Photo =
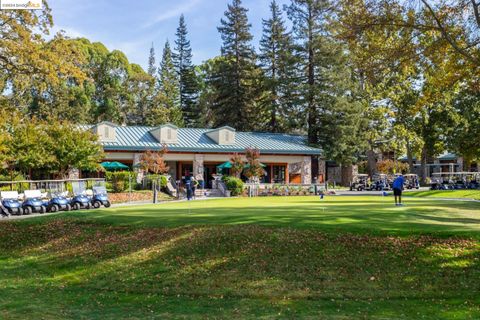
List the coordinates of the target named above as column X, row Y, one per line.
column 116, row 205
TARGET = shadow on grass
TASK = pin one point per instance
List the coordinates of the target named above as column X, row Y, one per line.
column 76, row 269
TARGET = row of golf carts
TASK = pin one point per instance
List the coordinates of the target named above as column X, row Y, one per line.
column 27, row 197
column 455, row 180
column 382, row 182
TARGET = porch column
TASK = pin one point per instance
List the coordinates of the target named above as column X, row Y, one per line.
column 460, row 164
column 198, row 169
column 322, row 170
column 136, row 161
column 307, row 170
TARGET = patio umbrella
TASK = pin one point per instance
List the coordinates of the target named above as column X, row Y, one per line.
column 113, row 166
column 225, row 165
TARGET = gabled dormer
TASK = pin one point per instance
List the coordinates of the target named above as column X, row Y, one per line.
column 223, row 135
column 106, row 131
column 166, row 133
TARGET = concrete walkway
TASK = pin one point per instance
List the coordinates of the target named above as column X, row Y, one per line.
column 116, row 205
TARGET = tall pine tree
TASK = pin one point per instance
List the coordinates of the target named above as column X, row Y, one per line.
column 308, row 18
column 182, row 59
column 278, row 63
column 152, row 69
column 238, row 82
column 329, row 101
column 167, row 100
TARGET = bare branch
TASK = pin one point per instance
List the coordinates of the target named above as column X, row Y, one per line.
column 447, row 37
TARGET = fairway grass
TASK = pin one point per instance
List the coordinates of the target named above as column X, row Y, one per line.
column 262, row 258
column 448, row 194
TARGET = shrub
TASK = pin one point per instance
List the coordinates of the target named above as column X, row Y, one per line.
column 234, row 185
column 157, row 177
column 119, row 180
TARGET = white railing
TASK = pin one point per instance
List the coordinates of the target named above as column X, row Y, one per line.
column 273, row 189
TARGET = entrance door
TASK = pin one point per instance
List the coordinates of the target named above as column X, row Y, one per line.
column 185, row 170
column 209, row 170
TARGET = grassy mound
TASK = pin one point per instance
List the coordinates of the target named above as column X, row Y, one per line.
column 82, row 265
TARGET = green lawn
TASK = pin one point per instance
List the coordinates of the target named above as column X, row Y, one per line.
column 264, row 258
column 456, row 194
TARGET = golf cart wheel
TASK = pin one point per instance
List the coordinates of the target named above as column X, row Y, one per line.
column 43, row 209
column 27, row 210
column 107, row 204
column 76, row 206
column 53, row 208
column 68, row 207
column 97, row 204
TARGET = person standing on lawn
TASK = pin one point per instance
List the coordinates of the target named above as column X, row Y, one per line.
column 397, row 189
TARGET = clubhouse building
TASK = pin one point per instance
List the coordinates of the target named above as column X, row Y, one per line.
column 287, row 158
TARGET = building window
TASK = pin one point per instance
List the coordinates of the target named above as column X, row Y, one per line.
column 279, row 174
column 226, row 136
column 107, row 133
column 169, row 134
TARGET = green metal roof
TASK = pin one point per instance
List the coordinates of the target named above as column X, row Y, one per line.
column 448, row 156
column 139, row 138
column 444, row 156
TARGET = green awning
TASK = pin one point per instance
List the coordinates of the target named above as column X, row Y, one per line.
column 225, row 165
column 113, row 166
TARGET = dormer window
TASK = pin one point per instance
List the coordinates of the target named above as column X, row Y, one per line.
column 166, row 133
column 106, row 131
column 224, row 135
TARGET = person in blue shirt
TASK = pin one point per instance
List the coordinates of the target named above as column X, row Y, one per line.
column 397, row 189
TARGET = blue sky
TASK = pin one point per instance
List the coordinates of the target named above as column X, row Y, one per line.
column 132, row 26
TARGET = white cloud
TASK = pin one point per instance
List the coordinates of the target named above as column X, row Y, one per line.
column 172, row 13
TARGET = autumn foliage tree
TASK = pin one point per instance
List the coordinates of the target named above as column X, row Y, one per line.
column 391, row 167
column 253, row 169
column 152, row 161
column 237, row 165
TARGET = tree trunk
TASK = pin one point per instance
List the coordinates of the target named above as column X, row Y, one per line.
column 423, row 166
column 410, row 158
column 467, row 163
column 371, row 162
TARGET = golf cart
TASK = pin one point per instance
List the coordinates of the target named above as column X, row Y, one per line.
column 100, row 197
column 360, row 182
column 10, row 202
column 460, row 180
column 380, row 182
column 33, row 202
column 441, row 181
column 58, row 197
column 411, row 181
column 474, row 182
column 80, row 200
column 3, row 211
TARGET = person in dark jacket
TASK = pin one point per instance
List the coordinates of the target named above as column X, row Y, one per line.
column 397, row 189
column 188, row 186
